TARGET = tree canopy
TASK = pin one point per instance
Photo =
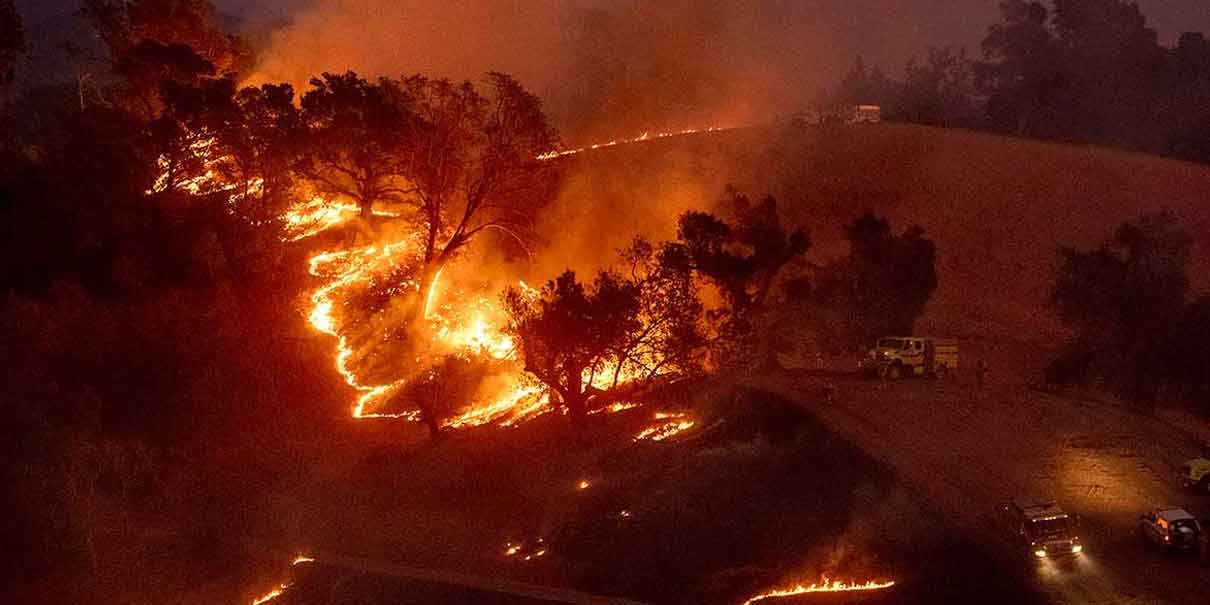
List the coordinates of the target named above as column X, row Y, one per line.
column 1123, row 299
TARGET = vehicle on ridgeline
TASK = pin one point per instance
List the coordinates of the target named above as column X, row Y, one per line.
column 1042, row 528
column 865, row 114
column 1170, row 527
column 896, row 357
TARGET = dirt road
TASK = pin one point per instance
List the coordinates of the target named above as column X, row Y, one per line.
column 969, row 448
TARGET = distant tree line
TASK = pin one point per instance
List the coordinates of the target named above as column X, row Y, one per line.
column 1075, row 70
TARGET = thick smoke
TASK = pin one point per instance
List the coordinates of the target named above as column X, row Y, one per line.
column 611, row 68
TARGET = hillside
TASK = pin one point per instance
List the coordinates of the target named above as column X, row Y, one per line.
column 997, row 207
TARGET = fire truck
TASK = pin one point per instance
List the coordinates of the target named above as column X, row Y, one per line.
column 896, row 357
column 1043, row 528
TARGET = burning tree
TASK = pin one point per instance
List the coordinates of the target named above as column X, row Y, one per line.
column 471, row 160
column 594, row 345
column 461, row 161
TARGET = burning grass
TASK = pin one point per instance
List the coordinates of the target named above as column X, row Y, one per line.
column 823, row 586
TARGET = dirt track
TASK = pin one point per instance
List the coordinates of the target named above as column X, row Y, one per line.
column 968, row 448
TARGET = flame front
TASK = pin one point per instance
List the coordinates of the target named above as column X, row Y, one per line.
column 272, row 594
column 671, row 424
column 824, row 585
column 464, row 327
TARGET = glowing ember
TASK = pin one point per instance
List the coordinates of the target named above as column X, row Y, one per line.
column 302, row 559
column 583, row 485
column 823, row 586
column 272, row 594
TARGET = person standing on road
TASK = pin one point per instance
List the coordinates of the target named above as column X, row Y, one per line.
column 829, row 392
column 980, row 371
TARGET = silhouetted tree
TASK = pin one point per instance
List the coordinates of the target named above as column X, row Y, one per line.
column 1115, row 66
column 1188, row 355
column 449, row 385
column 356, row 136
column 1019, row 70
column 1186, row 111
column 12, row 40
column 570, row 334
column 939, row 90
column 743, row 260
column 880, row 289
column 1123, row 299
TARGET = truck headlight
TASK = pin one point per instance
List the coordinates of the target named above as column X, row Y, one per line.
column 1077, row 548
column 1040, row 553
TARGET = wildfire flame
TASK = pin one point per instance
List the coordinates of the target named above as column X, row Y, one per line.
column 674, row 423
column 344, row 270
column 272, row 594
column 824, row 585
column 550, row 155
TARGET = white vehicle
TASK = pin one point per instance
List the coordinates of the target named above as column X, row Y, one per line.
column 807, row 118
column 866, row 114
column 1170, row 527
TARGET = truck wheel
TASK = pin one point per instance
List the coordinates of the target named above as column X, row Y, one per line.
column 895, row 372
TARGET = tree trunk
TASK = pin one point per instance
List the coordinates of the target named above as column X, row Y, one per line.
column 434, row 426
column 428, row 280
column 577, row 408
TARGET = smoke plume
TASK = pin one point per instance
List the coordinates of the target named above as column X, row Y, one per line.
column 611, row 68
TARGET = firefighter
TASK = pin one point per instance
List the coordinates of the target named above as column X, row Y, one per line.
column 829, row 392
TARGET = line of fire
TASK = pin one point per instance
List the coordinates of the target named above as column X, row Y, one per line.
column 717, row 302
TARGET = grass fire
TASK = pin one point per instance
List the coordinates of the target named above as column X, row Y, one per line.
column 603, row 301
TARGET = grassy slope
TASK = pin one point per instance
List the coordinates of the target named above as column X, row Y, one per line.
column 998, row 208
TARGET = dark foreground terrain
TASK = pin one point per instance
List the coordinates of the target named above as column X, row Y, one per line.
column 757, row 495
